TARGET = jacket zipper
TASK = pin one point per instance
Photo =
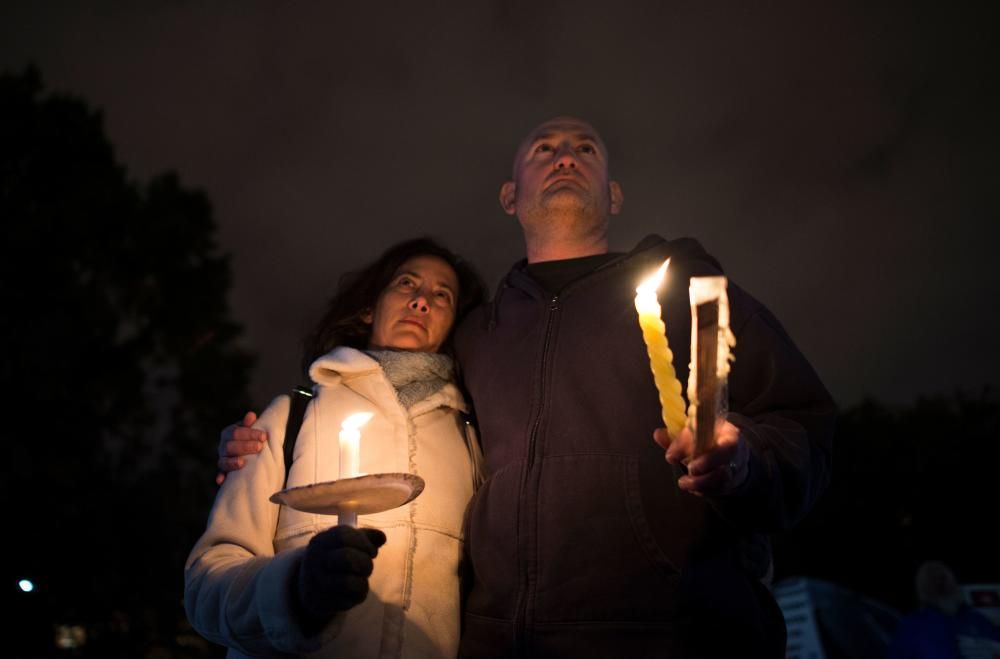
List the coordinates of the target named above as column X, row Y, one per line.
column 522, row 604
column 553, row 307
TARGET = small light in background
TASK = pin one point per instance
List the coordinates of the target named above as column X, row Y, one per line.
column 26, row 585
column 69, row 637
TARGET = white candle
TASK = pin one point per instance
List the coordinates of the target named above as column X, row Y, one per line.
column 708, row 392
column 350, row 457
column 701, row 291
column 350, row 444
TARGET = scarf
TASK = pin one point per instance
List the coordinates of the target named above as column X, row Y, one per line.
column 414, row 375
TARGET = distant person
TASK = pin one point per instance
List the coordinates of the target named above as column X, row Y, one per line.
column 267, row 580
column 593, row 536
column 945, row 626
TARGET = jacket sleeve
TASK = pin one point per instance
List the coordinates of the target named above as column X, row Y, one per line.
column 787, row 417
column 237, row 592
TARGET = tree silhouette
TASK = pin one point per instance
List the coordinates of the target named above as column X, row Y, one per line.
column 121, row 363
column 908, row 485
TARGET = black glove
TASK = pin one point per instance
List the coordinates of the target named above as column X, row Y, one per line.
column 333, row 573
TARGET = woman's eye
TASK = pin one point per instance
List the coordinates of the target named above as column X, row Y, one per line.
column 444, row 296
column 405, row 282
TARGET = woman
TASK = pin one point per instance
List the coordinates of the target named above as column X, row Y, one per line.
column 265, row 579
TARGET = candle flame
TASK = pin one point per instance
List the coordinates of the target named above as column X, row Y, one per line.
column 355, row 421
column 651, row 283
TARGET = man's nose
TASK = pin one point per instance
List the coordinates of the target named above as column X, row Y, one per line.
column 419, row 304
column 565, row 157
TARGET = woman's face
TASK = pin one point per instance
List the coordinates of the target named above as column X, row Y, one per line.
column 417, row 309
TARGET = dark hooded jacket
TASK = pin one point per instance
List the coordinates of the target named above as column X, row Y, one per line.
column 580, row 543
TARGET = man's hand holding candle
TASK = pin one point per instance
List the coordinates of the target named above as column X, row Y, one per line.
column 718, row 471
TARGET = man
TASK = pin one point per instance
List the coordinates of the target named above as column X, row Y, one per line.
column 584, row 540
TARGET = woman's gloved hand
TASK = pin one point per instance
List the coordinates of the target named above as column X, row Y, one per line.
column 333, row 573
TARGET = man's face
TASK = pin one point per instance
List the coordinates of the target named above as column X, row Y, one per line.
column 561, row 171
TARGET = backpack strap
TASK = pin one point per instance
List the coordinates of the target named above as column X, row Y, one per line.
column 300, row 400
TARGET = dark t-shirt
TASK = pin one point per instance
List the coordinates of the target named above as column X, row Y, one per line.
column 556, row 275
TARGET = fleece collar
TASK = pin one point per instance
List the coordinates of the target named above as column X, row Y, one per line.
column 342, row 365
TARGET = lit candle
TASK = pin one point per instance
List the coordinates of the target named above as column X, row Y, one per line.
column 350, row 440
column 350, row 457
column 661, row 359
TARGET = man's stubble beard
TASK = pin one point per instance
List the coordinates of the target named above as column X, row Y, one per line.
column 563, row 220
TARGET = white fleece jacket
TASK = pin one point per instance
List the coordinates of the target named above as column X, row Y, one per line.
column 238, row 576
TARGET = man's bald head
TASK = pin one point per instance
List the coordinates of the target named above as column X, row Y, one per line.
column 562, row 122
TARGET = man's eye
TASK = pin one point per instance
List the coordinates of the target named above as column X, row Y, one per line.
column 587, row 148
column 542, row 148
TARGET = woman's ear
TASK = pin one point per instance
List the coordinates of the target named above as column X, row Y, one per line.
column 367, row 317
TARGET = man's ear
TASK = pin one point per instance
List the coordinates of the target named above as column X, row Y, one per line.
column 617, row 197
column 508, row 197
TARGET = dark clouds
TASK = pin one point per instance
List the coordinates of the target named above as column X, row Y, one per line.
column 837, row 157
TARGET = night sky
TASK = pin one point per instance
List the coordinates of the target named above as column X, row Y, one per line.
column 839, row 158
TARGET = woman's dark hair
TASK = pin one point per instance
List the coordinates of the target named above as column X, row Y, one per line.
column 358, row 292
